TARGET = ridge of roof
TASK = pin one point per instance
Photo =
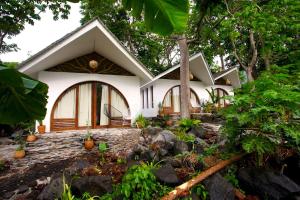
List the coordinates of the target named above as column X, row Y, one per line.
column 222, row 73
column 68, row 35
column 192, row 57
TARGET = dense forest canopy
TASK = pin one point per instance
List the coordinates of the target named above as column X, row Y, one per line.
column 252, row 35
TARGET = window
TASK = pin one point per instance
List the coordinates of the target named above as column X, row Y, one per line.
column 171, row 102
column 151, row 90
column 143, row 100
column 147, row 98
column 87, row 104
column 221, row 93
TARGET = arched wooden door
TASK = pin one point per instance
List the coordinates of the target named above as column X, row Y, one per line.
column 83, row 105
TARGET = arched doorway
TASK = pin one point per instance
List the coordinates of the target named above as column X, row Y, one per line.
column 171, row 102
column 221, row 93
column 85, row 105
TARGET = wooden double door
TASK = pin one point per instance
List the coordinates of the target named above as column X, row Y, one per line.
column 87, row 105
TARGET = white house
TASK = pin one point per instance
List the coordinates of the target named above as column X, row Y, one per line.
column 92, row 79
column 164, row 89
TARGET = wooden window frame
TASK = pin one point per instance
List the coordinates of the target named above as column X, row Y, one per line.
column 147, row 98
column 170, row 110
column 143, row 99
column 54, row 121
column 225, row 93
column 151, row 91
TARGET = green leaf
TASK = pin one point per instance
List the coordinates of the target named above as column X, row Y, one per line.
column 22, row 98
column 161, row 16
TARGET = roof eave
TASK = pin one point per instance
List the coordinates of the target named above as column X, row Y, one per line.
column 27, row 64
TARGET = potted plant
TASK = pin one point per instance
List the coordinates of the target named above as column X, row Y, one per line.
column 41, row 127
column 20, row 152
column 168, row 120
column 88, row 141
column 213, row 97
column 31, row 137
column 141, row 121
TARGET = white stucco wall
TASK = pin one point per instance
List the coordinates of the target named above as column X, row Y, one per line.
column 58, row 82
column 161, row 86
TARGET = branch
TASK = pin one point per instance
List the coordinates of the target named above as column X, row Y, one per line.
column 181, row 189
column 227, row 7
column 237, row 57
column 2, row 38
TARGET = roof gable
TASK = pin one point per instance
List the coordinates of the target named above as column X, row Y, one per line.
column 81, row 65
column 232, row 74
column 198, row 67
column 91, row 37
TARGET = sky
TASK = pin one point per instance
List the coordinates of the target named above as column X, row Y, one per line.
column 44, row 32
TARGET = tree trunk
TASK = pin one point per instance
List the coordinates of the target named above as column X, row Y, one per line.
column 253, row 61
column 267, row 62
column 184, row 77
column 249, row 74
column 222, row 62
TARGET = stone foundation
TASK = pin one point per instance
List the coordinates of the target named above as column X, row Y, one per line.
column 68, row 144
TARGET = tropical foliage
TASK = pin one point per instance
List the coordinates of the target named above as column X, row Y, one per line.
column 16, row 13
column 161, row 16
column 187, row 124
column 265, row 113
column 22, row 98
column 252, row 34
column 141, row 121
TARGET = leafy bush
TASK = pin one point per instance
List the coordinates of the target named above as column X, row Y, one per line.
column 141, row 121
column 213, row 96
column 201, row 191
column 265, row 113
column 102, row 148
column 140, row 183
column 181, row 135
column 186, row 124
column 230, row 176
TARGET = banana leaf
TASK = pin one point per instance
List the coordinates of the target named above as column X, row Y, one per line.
column 161, row 16
column 21, row 97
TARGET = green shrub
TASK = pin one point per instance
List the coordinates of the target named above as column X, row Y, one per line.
column 265, row 113
column 230, row 176
column 142, row 121
column 140, row 183
column 181, row 135
column 201, row 191
column 213, row 96
column 186, row 124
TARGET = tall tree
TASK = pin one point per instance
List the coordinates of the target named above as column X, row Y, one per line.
column 167, row 17
column 16, row 13
column 250, row 34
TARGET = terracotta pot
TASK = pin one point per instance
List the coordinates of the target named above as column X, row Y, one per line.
column 89, row 144
column 31, row 138
column 41, row 129
column 169, row 122
column 161, row 113
column 19, row 154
